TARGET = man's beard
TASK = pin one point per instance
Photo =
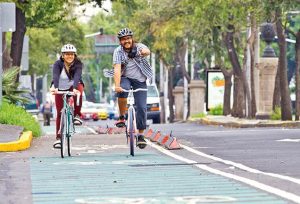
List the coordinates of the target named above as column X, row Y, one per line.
column 128, row 49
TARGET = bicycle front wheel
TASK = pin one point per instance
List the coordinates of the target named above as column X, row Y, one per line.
column 131, row 131
column 64, row 132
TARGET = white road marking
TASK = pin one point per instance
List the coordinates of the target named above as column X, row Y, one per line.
column 264, row 187
column 92, row 130
column 241, row 166
column 181, row 199
column 289, row 140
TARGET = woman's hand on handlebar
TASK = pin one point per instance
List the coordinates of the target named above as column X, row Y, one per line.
column 53, row 90
column 76, row 92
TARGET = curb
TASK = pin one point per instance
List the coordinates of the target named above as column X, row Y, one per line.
column 21, row 144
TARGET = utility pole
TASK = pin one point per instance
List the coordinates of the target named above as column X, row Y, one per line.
column 185, row 86
column 153, row 66
column 161, row 90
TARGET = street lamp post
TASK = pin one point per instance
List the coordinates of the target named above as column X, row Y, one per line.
column 7, row 24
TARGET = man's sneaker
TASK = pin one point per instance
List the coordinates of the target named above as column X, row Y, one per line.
column 121, row 121
column 141, row 142
column 77, row 120
column 57, row 144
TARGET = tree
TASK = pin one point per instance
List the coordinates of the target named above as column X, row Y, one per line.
column 278, row 9
column 38, row 14
column 286, row 112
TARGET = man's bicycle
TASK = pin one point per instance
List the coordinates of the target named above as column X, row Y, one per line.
column 131, row 128
column 67, row 127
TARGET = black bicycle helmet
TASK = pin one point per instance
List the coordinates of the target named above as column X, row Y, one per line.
column 124, row 32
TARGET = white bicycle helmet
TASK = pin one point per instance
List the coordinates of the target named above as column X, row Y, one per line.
column 124, row 32
column 68, row 48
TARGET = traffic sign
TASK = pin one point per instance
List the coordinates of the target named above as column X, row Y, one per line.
column 106, row 44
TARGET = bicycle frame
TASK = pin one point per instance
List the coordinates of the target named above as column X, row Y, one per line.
column 67, row 128
column 131, row 120
column 67, row 108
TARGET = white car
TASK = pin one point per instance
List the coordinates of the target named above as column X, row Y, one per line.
column 153, row 103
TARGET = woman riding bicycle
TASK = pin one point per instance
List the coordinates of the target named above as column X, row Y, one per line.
column 131, row 70
column 67, row 75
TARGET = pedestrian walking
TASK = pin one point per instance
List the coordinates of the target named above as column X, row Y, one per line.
column 47, row 113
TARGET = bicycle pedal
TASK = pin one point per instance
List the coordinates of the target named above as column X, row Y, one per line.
column 120, row 125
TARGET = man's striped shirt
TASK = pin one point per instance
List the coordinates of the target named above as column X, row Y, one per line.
column 141, row 63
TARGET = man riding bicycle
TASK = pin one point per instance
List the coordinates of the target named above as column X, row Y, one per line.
column 131, row 70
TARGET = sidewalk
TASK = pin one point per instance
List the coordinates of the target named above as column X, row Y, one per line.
column 12, row 138
column 232, row 122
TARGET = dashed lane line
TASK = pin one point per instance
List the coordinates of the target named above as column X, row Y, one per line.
column 264, row 187
column 241, row 166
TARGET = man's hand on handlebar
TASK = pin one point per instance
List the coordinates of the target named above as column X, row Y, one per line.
column 118, row 89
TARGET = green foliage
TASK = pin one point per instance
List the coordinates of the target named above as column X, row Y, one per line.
column 45, row 14
column 13, row 115
column 11, row 93
column 70, row 32
column 43, row 49
column 218, row 110
column 198, row 115
column 276, row 114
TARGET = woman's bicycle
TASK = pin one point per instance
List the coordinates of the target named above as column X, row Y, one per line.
column 67, row 127
column 131, row 120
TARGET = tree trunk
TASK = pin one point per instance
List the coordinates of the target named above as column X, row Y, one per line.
column 227, row 91
column 297, row 49
column 170, row 95
column 245, row 83
column 286, row 112
column 5, row 59
column 252, row 42
column 18, row 37
column 238, row 100
column 276, row 94
column 181, row 57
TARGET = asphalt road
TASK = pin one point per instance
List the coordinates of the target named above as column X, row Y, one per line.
column 261, row 151
column 215, row 165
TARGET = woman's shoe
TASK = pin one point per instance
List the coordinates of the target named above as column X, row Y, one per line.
column 57, row 144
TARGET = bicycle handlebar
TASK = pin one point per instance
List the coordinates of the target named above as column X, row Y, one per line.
column 70, row 93
column 135, row 90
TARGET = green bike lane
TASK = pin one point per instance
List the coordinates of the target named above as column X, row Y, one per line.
column 148, row 177
column 101, row 171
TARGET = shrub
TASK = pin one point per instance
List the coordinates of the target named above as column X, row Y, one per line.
column 276, row 114
column 14, row 115
column 11, row 93
column 218, row 110
column 198, row 115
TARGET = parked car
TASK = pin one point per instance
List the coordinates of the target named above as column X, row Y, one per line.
column 32, row 106
column 113, row 112
column 89, row 111
column 153, row 103
column 102, row 110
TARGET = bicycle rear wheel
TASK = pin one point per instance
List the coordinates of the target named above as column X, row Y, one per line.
column 64, row 132
column 131, row 131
